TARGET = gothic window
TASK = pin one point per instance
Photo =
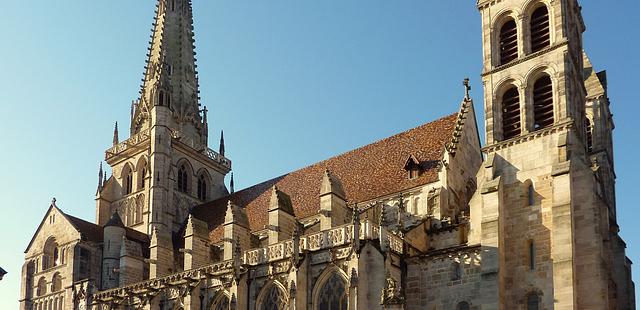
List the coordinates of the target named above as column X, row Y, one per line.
column 540, row 29
column 532, row 255
column 589, row 134
column 543, row 103
column 127, row 181
column 161, row 96
column 142, row 175
column 42, row 287
column 533, row 301
column 202, row 187
column 462, row 306
column 333, row 294
column 183, row 179
column 274, row 299
column 56, row 282
column 456, row 271
column 511, row 113
column 221, row 304
column 508, row 41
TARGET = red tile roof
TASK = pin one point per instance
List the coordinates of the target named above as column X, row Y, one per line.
column 366, row 173
column 94, row 232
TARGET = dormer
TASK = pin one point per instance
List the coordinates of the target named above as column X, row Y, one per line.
column 413, row 168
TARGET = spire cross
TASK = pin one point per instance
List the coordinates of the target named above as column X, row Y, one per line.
column 467, row 89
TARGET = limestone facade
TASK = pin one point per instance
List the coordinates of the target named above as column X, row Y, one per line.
column 425, row 219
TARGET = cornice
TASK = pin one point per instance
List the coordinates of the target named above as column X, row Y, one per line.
column 528, row 137
column 526, row 58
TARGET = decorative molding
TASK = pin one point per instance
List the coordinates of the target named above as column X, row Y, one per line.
column 525, row 58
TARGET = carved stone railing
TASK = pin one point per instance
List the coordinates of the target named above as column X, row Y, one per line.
column 338, row 236
column 217, row 269
column 213, row 155
column 53, row 300
column 134, row 140
column 130, row 207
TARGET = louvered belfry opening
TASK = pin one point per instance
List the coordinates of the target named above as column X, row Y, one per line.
column 543, row 103
column 508, row 42
column 511, row 114
column 540, row 29
column 589, row 135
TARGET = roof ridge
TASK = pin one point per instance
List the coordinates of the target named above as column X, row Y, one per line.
column 341, row 154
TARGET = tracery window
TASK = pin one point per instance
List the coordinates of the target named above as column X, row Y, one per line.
column 274, row 299
column 543, row 102
column 202, row 187
column 511, row 113
column 127, row 181
column 540, row 29
column 508, row 41
column 333, row 294
column 183, row 179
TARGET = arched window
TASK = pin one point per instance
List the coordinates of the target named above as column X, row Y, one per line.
column 273, row 299
column 463, row 305
column 127, row 180
column 456, row 271
column 508, row 41
column 161, row 97
column 511, row 113
column 42, row 287
column 589, row 134
column 540, row 29
column 50, row 257
column 333, row 294
column 56, row 282
column 142, row 175
column 543, row 103
column 533, row 301
column 183, row 179
column 221, row 303
column 202, row 187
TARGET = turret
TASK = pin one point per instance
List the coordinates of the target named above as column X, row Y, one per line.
column 114, row 231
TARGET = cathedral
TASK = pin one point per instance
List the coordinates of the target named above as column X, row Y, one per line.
column 426, row 219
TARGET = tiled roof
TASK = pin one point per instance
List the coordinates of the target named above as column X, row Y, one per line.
column 94, row 232
column 369, row 172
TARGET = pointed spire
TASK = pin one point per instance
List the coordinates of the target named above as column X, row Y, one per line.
column 115, row 135
column 231, row 185
column 221, row 150
column 100, row 177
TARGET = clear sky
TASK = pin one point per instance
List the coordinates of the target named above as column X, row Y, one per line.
column 291, row 82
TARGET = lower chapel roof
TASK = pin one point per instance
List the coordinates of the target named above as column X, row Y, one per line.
column 366, row 173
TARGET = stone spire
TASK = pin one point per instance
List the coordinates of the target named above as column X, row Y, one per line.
column 221, row 150
column 231, row 184
column 115, row 134
column 100, row 178
column 170, row 77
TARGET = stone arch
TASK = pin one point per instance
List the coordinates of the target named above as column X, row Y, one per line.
column 184, row 175
column 203, row 182
column 273, row 296
column 51, row 254
column 220, row 301
column 42, row 287
column 497, row 25
column 527, row 10
column 126, row 175
column 142, row 173
column 332, row 279
column 56, row 282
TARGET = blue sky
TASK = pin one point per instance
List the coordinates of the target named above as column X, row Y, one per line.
column 291, row 82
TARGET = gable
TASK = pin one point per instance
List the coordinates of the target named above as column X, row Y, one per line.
column 54, row 224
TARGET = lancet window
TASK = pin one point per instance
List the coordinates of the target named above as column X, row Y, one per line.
column 333, row 294
column 511, row 125
column 539, row 26
column 508, row 42
column 543, row 103
column 274, row 299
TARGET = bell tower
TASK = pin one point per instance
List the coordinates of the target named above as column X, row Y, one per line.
column 165, row 167
column 537, row 215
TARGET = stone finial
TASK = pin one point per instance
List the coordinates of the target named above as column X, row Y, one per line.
column 53, row 202
column 280, row 201
column 467, row 89
column 221, row 150
column 231, row 184
column 115, row 135
column 331, row 185
column 236, row 215
column 100, row 178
